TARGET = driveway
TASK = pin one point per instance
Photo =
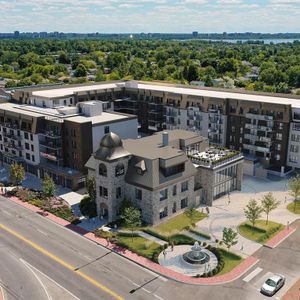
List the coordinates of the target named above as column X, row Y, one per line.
column 225, row 214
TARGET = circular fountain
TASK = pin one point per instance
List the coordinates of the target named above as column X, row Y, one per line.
column 196, row 256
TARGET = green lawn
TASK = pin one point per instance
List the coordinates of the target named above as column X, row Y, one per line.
column 178, row 223
column 139, row 245
column 231, row 261
column 261, row 232
column 291, row 207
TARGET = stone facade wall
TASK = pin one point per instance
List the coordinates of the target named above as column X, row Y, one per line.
column 151, row 205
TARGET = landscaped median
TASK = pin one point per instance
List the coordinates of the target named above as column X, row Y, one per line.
column 294, row 207
column 261, row 232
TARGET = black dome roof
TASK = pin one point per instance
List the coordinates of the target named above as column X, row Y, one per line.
column 111, row 140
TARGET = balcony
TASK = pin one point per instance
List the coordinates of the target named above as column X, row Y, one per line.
column 12, row 136
column 259, row 117
column 50, row 145
column 51, row 134
column 256, row 148
column 13, row 146
column 10, row 126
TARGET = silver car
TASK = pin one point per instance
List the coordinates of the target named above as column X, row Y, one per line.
column 274, row 283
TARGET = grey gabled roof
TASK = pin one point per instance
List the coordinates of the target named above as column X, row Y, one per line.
column 90, row 164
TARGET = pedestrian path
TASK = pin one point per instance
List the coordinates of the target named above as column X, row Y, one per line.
column 151, row 238
column 234, row 274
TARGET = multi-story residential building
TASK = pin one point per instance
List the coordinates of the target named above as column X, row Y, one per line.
column 162, row 174
column 58, row 140
column 262, row 126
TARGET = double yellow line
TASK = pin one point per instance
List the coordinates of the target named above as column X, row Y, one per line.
column 63, row 263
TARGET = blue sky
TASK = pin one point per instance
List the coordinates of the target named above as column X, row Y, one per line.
column 150, row 15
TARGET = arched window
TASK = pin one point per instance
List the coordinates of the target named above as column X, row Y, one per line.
column 102, row 170
column 120, row 170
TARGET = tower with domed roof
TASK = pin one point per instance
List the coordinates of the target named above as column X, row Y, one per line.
column 111, row 163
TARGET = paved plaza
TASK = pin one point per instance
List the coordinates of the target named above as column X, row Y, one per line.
column 229, row 211
column 173, row 260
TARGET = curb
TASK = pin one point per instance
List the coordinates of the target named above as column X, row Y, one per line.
column 1, row 293
column 234, row 274
column 269, row 244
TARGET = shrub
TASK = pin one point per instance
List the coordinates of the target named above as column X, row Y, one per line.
column 199, row 233
column 128, row 234
column 36, row 202
column 156, row 234
column 88, row 207
column 181, row 239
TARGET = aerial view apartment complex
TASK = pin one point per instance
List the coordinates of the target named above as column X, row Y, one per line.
column 162, row 174
column 58, row 140
column 264, row 127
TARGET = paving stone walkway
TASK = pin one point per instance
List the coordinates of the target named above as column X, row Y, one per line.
column 142, row 261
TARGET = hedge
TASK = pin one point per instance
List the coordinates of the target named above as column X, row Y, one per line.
column 199, row 233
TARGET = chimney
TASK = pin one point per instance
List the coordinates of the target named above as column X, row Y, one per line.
column 165, row 138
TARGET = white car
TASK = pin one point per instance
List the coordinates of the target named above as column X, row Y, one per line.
column 274, row 283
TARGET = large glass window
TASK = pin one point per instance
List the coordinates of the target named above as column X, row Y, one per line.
column 163, row 213
column 103, row 191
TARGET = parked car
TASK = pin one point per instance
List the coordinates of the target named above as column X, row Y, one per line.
column 274, row 283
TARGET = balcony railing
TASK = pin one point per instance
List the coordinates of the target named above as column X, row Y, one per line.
column 215, row 163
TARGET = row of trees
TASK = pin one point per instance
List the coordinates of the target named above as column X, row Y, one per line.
column 17, row 175
column 28, row 62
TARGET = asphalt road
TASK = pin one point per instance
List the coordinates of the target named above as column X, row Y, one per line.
column 42, row 260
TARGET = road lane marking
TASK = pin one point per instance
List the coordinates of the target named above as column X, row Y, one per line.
column 252, row 274
column 63, row 263
column 63, row 288
column 38, row 278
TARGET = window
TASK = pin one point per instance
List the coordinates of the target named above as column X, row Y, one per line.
column 184, row 203
column 106, row 129
column 120, row 170
column 294, row 148
column 173, row 170
column 26, row 146
column 31, row 137
column 138, row 194
column 184, row 186
column 27, row 156
column 163, row 213
column 295, row 138
column 32, row 148
column 174, row 190
column 278, row 147
column 103, row 191
column 32, row 158
column 102, row 170
column 26, row 136
column 279, row 136
column 119, row 192
column 163, row 194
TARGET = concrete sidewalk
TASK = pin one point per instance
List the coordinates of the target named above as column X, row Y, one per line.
column 225, row 214
column 142, row 261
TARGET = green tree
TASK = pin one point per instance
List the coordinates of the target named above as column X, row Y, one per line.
column 88, row 207
column 48, row 186
column 192, row 214
column 80, row 71
column 132, row 218
column 91, row 187
column 294, row 189
column 230, row 237
column 268, row 204
column 16, row 173
column 253, row 211
column 63, row 58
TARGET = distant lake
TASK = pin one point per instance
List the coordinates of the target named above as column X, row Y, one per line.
column 266, row 41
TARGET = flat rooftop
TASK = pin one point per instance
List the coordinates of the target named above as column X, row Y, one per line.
column 36, row 111
column 71, row 90
column 220, row 94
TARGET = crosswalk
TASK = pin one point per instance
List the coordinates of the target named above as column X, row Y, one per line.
column 255, row 280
